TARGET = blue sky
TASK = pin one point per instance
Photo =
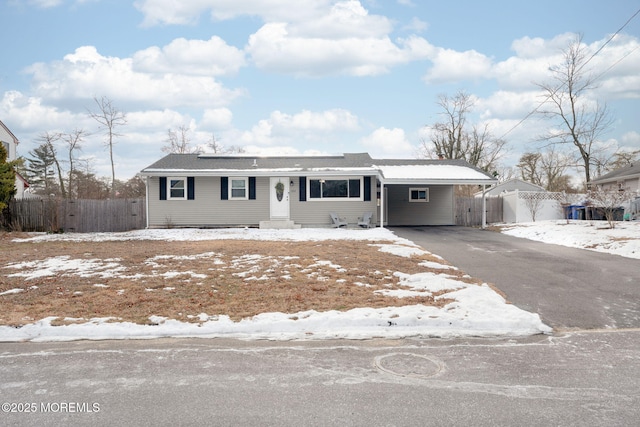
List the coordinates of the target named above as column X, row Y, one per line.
column 304, row 76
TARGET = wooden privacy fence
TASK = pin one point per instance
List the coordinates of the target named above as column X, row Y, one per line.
column 469, row 210
column 70, row 215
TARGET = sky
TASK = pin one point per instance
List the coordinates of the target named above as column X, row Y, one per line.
column 306, row 77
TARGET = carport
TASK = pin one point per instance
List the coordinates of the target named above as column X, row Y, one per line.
column 415, row 193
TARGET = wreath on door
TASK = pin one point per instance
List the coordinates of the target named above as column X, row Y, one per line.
column 279, row 190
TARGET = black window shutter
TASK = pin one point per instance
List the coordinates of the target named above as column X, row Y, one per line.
column 252, row 188
column 367, row 188
column 163, row 188
column 224, row 188
column 191, row 188
column 303, row 188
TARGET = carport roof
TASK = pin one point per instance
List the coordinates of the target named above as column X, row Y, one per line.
column 391, row 171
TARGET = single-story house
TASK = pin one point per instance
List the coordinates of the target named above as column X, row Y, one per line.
column 508, row 186
column 624, row 179
column 213, row 190
column 10, row 143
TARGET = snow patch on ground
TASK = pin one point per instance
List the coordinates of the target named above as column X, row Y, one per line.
column 623, row 240
column 476, row 310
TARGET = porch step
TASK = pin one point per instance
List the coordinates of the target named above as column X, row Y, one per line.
column 279, row 224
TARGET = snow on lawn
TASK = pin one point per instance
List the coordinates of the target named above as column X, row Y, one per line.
column 623, row 240
column 474, row 310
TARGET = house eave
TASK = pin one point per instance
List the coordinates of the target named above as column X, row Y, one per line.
column 615, row 179
column 419, row 181
column 261, row 172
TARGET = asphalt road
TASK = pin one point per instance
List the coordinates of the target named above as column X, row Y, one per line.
column 568, row 288
column 577, row 379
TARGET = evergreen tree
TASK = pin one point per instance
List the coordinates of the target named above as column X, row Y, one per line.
column 7, row 179
column 39, row 170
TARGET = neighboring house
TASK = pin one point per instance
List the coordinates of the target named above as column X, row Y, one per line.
column 626, row 178
column 210, row 190
column 10, row 143
column 508, row 186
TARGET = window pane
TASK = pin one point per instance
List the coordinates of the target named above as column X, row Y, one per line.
column 354, row 188
column 238, row 188
column 314, row 188
column 176, row 188
column 238, row 183
column 335, row 188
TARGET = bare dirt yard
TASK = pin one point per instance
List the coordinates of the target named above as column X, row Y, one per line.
column 133, row 280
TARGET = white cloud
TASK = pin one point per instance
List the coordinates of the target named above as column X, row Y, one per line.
column 452, row 66
column 416, row 25
column 86, row 73
column 29, row 112
column 344, row 20
column 274, row 48
column 216, row 118
column 386, row 143
column 211, row 57
column 631, row 139
column 305, row 127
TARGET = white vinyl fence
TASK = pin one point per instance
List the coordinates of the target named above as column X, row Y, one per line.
column 528, row 206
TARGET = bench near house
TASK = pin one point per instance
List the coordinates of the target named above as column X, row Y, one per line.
column 213, row 190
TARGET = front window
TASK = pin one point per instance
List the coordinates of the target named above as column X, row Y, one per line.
column 335, row 188
column 418, row 194
column 239, row 188
column 177, row 188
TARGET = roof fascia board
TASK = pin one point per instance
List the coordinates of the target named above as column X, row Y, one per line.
column 259, row 172
column 418, row 181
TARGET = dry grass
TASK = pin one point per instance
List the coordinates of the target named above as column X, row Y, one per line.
column 133, row 280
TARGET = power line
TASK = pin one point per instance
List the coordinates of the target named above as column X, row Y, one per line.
column 535, row 110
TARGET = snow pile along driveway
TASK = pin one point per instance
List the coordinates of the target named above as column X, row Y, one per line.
column 473, row 310
column 623, row 240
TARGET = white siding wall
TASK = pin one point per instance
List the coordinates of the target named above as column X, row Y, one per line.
column 631, row 185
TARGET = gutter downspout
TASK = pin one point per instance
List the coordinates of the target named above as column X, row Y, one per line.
column 484, row 206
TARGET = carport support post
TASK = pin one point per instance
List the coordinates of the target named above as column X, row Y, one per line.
column 484, row 206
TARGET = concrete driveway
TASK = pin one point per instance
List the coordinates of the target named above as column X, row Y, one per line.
column 568, row 288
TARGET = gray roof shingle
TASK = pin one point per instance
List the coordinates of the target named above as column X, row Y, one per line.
column 628, row 172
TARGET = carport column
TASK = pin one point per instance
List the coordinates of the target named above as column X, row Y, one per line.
column 484, row 206
column 381, row 203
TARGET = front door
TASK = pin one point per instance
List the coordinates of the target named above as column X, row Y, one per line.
column 279, row 199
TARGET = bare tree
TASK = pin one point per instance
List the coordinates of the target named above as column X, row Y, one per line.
column 179, row 141
column 623, row 159
column 553, row 166
column 73, row 140
column 454, row 138
column 529, row 166
column 216, row 147
column 579, row 121
column 109, row 118
column 533, row 202
column 609, row 202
